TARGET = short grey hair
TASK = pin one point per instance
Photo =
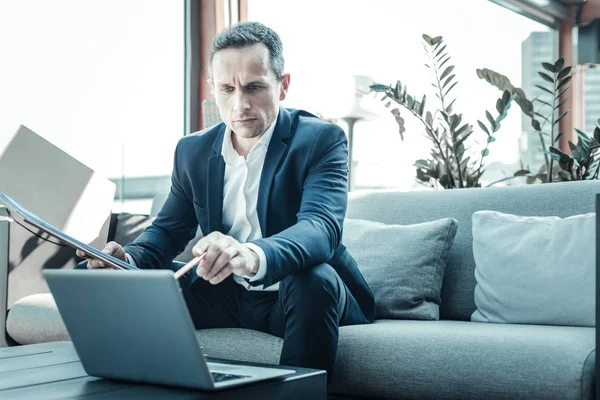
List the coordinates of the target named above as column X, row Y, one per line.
column 248, row 34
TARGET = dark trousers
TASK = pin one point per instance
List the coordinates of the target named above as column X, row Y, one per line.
column 306, row 312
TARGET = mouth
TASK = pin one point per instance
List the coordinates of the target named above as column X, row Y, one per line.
column 244, row 120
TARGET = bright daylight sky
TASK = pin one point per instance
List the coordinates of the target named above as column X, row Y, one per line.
column 96, row 76
column 383, row 40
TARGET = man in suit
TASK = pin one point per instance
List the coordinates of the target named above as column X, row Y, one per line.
column 268, row 188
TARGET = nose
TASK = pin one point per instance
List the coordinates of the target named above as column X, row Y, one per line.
column 240, row 101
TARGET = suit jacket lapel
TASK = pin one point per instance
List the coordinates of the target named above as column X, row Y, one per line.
column 215, row 183
column 275, row 152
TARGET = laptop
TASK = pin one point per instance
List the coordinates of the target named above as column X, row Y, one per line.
column 135, row 326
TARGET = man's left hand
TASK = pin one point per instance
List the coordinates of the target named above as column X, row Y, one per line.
column 224, row 256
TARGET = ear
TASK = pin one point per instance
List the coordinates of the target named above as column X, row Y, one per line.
column 285, row 84
column 212, row 86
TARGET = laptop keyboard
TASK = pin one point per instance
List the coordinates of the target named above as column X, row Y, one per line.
column 218, row 377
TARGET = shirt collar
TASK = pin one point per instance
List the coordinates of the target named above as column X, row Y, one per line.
column 231, row 156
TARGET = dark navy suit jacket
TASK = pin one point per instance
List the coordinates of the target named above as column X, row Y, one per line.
column 301, row 205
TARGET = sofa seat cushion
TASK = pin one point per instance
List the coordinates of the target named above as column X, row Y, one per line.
column 464, row 360
column 35, row 319
column 402, row 358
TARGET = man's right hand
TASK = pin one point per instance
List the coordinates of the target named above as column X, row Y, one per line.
column 112, row 248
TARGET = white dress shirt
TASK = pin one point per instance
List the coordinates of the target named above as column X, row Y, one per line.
column 240, row 197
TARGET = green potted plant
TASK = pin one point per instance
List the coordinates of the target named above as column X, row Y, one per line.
column 454, row 160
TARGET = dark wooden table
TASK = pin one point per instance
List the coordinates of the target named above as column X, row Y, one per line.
column 53, row 371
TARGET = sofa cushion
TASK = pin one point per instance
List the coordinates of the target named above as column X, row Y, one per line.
column 403, row 358
column 441, row 359
column 464, row 360
column 535, row 270
column 560, row 199
column 35, row 319
column 403, row 264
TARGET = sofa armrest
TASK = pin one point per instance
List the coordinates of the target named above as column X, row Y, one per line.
column 3, row 275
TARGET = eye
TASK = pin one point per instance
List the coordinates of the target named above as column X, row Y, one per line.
column 254, row 87
column 227, row 89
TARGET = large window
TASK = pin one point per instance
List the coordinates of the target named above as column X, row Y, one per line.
column 103, row 80
column 327, row 43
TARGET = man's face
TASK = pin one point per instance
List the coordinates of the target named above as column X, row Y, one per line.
column 246, row 90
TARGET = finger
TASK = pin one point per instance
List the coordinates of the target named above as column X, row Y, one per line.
column 80, row 254
column 224, row 273
column 111, row 248
column 206, row 241
column 222, row 260
column 212, row 253
column 94, row 263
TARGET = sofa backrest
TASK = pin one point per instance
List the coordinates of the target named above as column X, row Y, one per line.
column 392, row 207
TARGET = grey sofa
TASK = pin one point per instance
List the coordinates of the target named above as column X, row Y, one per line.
column 452, row 358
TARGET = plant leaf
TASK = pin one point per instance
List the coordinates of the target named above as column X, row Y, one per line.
column 491, row 120
column 447, row 72
column 450, row 88
column 564, row 72
column 562, row 102
column 537, row 114
column 422, row 105
column 484, row 152
column 564, row 81
column 506, row 97
column 462, row 139
column 444, row 62
column 448, row 80
column 543, row 102
column 397, row 89
column 546, row 77
column 559, row 64
column 378, row 88
column 557, row 138
column 548, row 67
column 440, row 50
column 449, row 108
column 561, row 117
column 483, row 127
column 536, row 125
column 499, row 106
column 544, row 89
column 427, row 38
column 455, row 119
column 522, row 172
column 562, row 92
column 445, row 116
column 429, row 118
column 463, row 129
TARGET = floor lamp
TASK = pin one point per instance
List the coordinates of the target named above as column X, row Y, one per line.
column 350, row 121
column 357, row 113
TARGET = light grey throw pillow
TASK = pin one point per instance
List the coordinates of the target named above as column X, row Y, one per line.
column 534, row 270
column 402, row 264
